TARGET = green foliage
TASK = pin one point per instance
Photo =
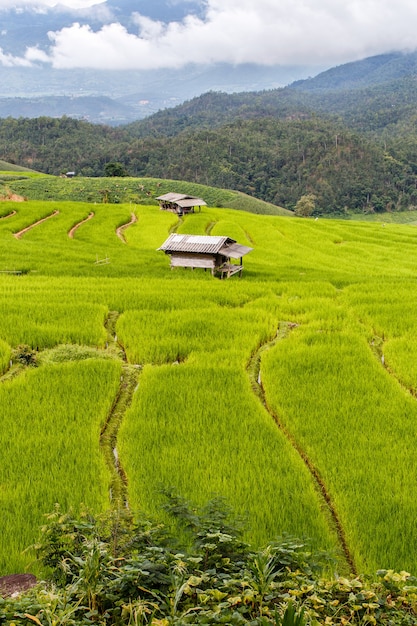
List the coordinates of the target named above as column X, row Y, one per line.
column 265, row 156
column 292, row 616
column 136, row 191
column 8, row 169
column 71, row 352
column 305, row 205
column 114, row 169
column 51, row 421
column 120, row 569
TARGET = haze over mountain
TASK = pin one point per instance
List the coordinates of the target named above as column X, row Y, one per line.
column 30, row 32
column 32, row 70
column 151, row 54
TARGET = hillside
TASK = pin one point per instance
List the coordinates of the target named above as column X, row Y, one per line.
column 368, row 72
column 12, row 167
column 316, row 308
column 357, row 89
column 289, row 392
column 374, row 97
column 347, row 137
column 276, row 161
column 128, row 189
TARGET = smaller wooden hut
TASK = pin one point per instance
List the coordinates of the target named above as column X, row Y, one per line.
column 180, row 203
column 223, row 256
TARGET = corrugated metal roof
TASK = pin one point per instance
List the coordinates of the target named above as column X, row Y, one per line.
column 182, row 199
column 190, row 202
column 235, row 250
column 172, row 197
column 195, row 243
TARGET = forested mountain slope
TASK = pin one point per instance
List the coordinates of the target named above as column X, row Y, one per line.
column 348, row 137
column 275, row 160
column 374, row 70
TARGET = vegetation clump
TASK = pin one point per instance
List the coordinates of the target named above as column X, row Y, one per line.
column 305, row 205
column 25, row 355
column 71, row 352
column 116, row 569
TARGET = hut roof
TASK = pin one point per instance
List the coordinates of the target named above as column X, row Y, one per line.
column 235, row 250
column 183, row 200
column 190, row 202
column 204, row 244
column 171, row 196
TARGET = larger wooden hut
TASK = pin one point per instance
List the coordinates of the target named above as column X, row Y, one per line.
column 221, row 255
column 180, row 203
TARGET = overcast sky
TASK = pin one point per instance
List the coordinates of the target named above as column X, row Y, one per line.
column 272, row 32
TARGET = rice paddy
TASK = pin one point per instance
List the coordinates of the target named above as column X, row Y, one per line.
column 328, row 453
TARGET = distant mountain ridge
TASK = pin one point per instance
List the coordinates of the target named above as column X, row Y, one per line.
column 364, row 73
column 139, row 93
column 348, row 89
column 369, row 95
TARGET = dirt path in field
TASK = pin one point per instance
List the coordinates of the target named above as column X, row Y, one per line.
column 4, row 217
column 109, row 433
column 176, row 225
column 209, row 228
column 254, row 371
column 108, row 436
column 122, row 228
column 74, row 228
column 25, row 230
column 377, row 348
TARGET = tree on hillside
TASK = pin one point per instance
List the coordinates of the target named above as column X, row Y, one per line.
column 305, row 205
column 115, row 168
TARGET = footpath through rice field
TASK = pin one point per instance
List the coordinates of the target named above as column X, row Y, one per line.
column 108, row 436
column 254, row 371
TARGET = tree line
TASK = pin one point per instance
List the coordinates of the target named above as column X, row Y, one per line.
column 276, row 159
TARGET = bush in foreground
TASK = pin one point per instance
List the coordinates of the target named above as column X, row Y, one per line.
column 118, row 570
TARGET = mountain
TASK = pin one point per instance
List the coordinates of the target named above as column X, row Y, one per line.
column 275, row 160
column 352, row 146
column 367, row 72
column 141, row 92
column 375, row 96
column 98, row 109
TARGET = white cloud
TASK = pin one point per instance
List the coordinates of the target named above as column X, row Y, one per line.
column 288, row 32
column 8, row 60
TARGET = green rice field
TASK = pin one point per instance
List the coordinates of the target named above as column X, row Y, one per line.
column 290, row 391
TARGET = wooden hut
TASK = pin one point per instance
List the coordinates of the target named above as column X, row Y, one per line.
column 221, row 255
column 180, row 203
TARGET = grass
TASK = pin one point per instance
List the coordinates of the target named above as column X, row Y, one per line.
column 5, row 354
column 51, row 419
column 357, row 428
column 132, row 190
column 400, row 217
column 348, row 291
column 199, row 428
column 12, row 168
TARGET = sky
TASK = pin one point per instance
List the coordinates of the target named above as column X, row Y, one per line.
column 265, row 32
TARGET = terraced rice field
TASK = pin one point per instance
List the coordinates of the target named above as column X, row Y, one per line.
column 290, row 391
